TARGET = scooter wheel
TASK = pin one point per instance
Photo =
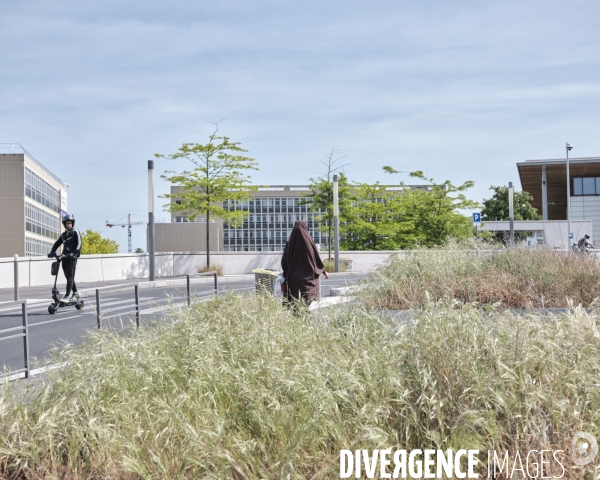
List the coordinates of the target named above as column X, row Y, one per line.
column 52, row 309
column 79, row 306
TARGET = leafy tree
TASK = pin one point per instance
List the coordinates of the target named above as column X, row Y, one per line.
column 321, row 197
column 138, row 250
column 433, row 215
column 216, row 177
column 93, row 243
column 496, row 208
column 374, row 219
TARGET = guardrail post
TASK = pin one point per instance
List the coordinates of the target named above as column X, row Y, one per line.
column 98, row 312
column 216, row 284
column 137, row 305
column 319, row 289
column 189, row 297
column 16, row 263
column 26, row 340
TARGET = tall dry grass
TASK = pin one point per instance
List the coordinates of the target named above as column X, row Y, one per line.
column 240, row 388
column 512, row 278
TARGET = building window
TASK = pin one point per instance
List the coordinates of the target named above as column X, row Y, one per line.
column 586, row 186
column 37, row 248
column 41, row 222
column 41, row 191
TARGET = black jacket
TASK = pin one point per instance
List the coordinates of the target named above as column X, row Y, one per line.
column 71, row 242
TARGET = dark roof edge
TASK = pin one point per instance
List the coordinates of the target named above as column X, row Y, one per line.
column 558, row 161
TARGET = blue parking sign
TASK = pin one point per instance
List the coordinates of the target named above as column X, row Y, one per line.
column 476, row 217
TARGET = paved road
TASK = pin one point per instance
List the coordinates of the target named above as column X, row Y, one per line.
column 69, row 325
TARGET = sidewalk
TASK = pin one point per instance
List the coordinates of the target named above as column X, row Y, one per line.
column 87, row 289
column 44, row 293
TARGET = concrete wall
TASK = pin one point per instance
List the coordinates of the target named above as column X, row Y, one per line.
column 34, row 271
column 555, row 231
column 186, row 237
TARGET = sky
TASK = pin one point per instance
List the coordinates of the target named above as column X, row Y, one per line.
column 462, row 90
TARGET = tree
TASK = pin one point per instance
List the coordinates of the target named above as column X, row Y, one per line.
column 321, row 193
column 375, row 219
column 434, row 213
column 93, row 243
column 496, row 208
column 216, row 177
column 138, row 250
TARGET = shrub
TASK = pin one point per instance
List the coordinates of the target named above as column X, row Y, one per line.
column 214, row 267
column 330, row 266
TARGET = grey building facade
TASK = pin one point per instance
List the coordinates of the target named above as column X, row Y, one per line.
column 272, row 212
column 31, row 201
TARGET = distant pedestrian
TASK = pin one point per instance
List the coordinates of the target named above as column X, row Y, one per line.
column 584, row 244
column 302, row 266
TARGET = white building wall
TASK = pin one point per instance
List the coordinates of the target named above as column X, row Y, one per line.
column 35, row 271
column 587, row 208
column 554, row 231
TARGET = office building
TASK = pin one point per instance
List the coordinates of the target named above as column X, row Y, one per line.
column 546, row 181
column 272, row 212
column 31, row 201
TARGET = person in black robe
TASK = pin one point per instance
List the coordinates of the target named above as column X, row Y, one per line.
column 302, row 266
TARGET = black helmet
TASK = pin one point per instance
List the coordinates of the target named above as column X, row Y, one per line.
column 68, row 218
column 587, row 236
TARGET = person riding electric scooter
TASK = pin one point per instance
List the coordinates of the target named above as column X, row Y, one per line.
column 70, row 239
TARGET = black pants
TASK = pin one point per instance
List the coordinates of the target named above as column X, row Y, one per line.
column 68, row 266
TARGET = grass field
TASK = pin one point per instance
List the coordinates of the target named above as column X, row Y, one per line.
column 514, row 278
column 238, row 387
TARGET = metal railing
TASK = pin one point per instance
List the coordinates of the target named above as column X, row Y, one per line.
column 99, row 311
column 24, row 333
column 101, row 314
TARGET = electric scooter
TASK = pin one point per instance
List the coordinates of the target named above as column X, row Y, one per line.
column 59, row 302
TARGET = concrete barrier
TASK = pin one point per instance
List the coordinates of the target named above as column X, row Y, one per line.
column 35, row 271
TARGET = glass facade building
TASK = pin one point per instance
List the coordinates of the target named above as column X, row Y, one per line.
column 38, row 220
column 31, row 197
column 268, row 224
column 41, row 191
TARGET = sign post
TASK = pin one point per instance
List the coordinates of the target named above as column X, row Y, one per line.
column 151, row 269
column 476, row 221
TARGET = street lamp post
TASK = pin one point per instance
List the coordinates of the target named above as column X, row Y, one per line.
column 336, row 225
column 569, row 148
column 511, row 213
column 151, row 269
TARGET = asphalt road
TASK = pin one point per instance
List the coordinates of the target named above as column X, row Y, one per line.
column 69, row 325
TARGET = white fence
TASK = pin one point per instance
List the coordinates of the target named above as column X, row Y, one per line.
column 35, row 271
